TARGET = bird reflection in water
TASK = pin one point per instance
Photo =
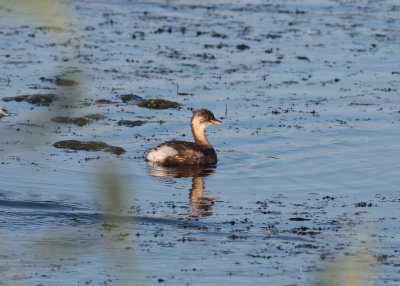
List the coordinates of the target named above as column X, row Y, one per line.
column 200, row 205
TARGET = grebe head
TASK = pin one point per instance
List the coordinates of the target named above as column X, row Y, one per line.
column 202, row 118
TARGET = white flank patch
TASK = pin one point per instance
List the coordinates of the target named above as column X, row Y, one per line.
column 159, row 154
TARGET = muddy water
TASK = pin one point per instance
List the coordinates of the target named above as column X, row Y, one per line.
column 307, row 183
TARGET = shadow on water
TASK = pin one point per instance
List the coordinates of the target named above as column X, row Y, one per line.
column 200, row 204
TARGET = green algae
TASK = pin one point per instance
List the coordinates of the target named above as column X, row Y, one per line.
column 95, row 116
column 242, row 47
column 130, row 123
column 103, row 101
column 60, row 81
column 158, row 104
column 130, row 97
column 36, row 99
column 125, row 97
column 89, row 146
column 80, row 121
column 149, row 103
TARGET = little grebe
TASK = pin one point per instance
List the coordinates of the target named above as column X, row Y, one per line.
column 174, row 153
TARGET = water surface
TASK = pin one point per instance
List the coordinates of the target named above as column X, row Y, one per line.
column 307, row 178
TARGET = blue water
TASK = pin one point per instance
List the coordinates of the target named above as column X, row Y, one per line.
column 307, row 177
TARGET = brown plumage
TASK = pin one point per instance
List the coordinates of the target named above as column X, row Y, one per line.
column 200, row 152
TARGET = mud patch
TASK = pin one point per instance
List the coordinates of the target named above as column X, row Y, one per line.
column 103, row 101
column 89, row 146
column 158, row 104
column 60, row 81
column 36, row 99
column 130, row 123
column 242, row 47
column 130, row 97
column 80, row 121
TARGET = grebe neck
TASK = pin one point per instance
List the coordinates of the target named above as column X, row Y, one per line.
column 200, row 136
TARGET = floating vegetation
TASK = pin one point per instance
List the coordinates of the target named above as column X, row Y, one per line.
column 103, row 101
column 363, row 204
column 242, row 47
column 219, row 35
column 205, row 56
column 158, row 104
column 88, row 146
column 273, row 36
column 130, row 97
column 95, row 116
column 109, row 226
column 80, row 121
column 60, row 81
column 50, row 28
column 37, row 99
column 303, row 58
column 130, row 123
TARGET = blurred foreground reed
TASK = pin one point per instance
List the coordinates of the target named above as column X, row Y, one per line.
column 108, row 235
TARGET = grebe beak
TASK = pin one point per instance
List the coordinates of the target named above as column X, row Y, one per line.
column 215, row 121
